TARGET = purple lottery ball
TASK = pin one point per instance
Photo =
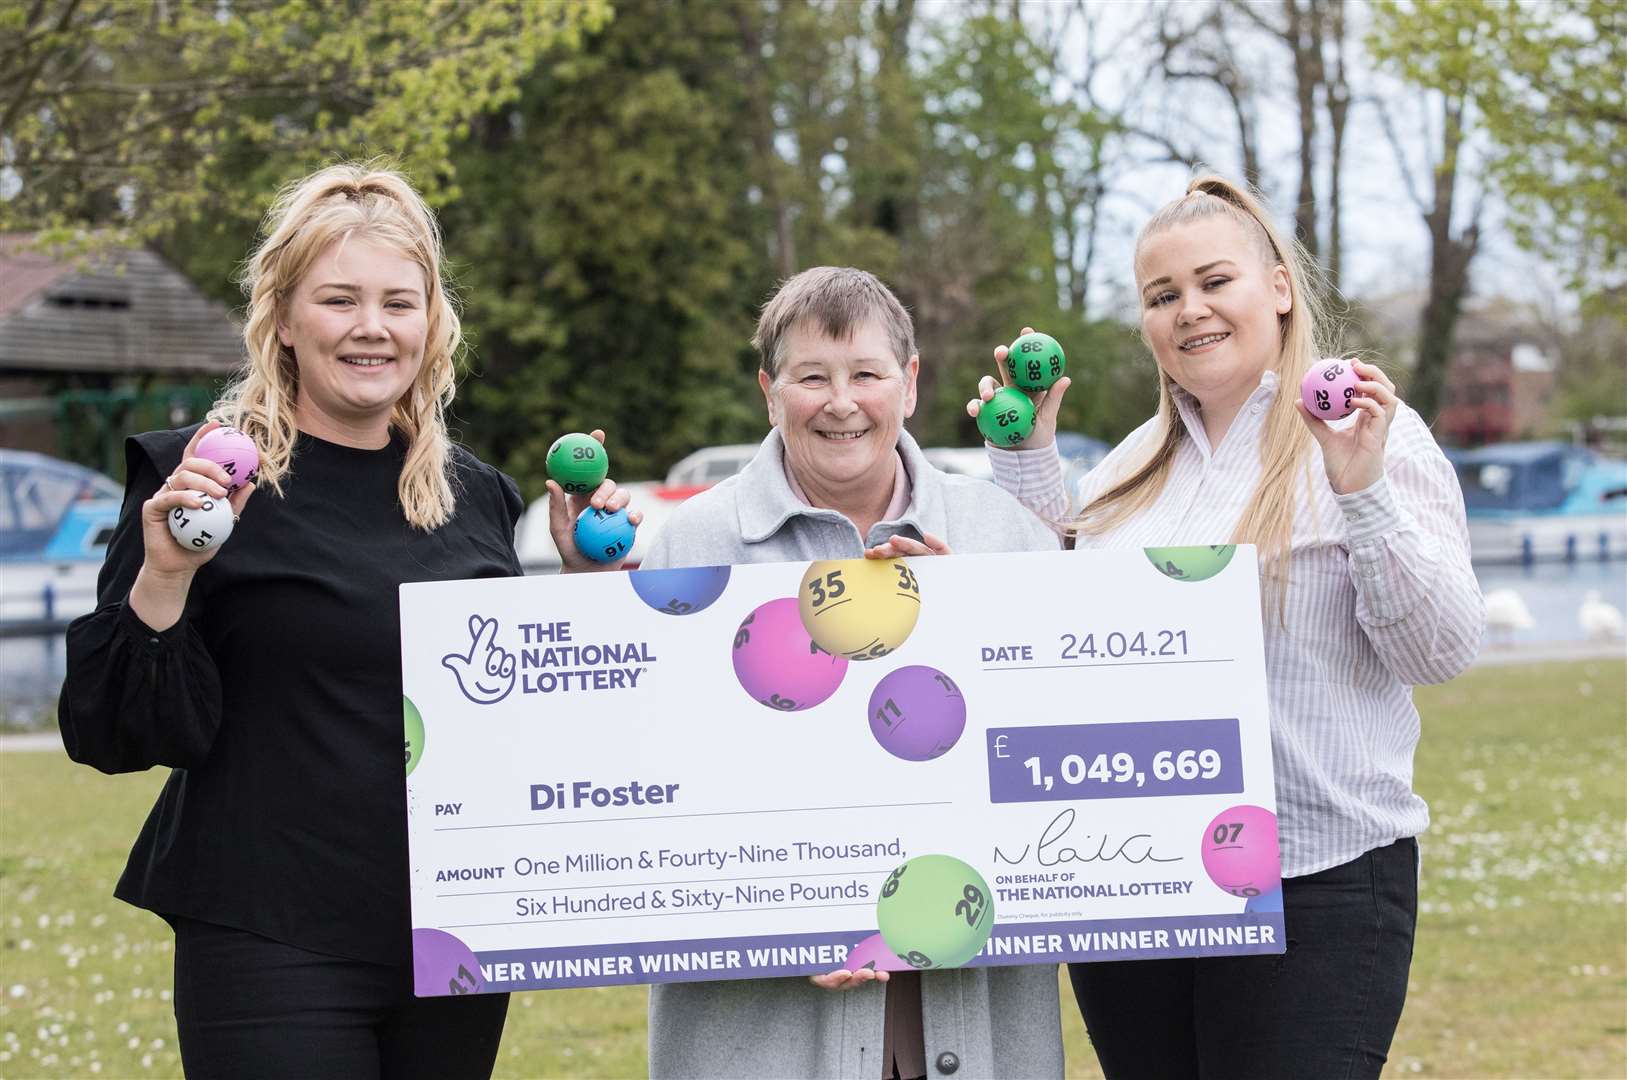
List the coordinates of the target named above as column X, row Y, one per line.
column 443, row 965
column 1329, row 389
column 917, row 713
column 233, row 451
column 874, row 954
column 778, row 664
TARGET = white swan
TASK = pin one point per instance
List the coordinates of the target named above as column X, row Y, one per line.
column 1599, row 621
column 1505, row 613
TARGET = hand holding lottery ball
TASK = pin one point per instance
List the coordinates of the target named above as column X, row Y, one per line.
column 193, row 510
column 1329, row 389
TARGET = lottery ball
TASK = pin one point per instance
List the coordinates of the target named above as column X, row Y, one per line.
column 859, row 608
column 442, row 964
column 935, row 912
column 680, row 591
column 1329, row 389
column 1035, row 361
column 1007, row 418
column 778, row 664
column 874, row 954
column 603, row 536
column 917, row 713
column 578, row 463
column 413, row 728
column 1191, row 563
column 1264, row 903
column 233, row 451
column 1240, row 851
column 202, row 528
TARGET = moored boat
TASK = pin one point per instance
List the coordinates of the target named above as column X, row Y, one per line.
column 1540, row 501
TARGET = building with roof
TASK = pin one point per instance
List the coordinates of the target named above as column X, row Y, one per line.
column 95, row 346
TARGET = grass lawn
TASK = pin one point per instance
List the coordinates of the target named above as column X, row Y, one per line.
column 1520, row 971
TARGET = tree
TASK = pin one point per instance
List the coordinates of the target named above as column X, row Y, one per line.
column 1543, row 84
column 145, row 116
column 609, row 247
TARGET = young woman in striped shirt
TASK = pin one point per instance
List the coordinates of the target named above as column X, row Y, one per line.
column 1366, row 591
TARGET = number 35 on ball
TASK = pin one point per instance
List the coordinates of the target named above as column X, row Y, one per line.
column 859, row 608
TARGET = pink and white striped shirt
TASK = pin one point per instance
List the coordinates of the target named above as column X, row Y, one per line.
column 1381, row 597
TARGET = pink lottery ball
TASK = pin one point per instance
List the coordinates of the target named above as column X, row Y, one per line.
column 1240, row 851
column 778, row 664
column 233, row 451
column 873, row 953
column 1329, row 389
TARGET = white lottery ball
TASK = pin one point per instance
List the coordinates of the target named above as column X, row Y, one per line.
column 203, row 528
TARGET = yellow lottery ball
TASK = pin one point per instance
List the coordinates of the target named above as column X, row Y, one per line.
column 859, row 608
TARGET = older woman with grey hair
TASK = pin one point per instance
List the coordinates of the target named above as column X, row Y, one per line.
column 839, row 477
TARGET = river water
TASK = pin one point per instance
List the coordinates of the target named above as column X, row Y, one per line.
column 31, row 668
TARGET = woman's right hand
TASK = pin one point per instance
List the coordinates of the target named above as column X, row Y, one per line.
column 159, row 593
column 1046, row 402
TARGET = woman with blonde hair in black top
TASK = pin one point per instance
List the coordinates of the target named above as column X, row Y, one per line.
column 266, row 672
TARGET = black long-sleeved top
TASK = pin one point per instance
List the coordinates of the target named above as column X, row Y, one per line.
column 276, row 699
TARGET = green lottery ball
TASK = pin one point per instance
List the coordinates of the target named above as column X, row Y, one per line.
column 578, row 463
column 1007, row 418
column 935, row 912
column 1035, row 361
column 414, row 728
column 1191, row 563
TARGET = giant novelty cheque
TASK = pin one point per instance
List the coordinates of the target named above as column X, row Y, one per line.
column 784, row 769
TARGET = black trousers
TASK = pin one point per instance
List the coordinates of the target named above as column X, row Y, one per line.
column 1327, row 1008
column 249, row 1008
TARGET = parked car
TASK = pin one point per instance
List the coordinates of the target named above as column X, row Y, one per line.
column 56, row 519
column 709, row 465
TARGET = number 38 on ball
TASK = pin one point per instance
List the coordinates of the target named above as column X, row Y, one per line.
column 859, row 608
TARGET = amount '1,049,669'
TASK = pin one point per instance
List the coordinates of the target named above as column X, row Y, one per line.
column 1120, row 768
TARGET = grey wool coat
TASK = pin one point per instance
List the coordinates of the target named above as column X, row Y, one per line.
column 978, row 1022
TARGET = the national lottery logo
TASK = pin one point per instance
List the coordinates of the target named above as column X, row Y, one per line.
column 485, row 673
column 547, row 658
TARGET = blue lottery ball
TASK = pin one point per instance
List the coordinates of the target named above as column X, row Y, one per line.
column 604, row 537
column 681, row 591
column 1265, row 902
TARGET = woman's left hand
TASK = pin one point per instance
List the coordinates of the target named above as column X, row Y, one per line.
column 563, row 511
column 843, row 979
column 898, row 546
column 1354, row 456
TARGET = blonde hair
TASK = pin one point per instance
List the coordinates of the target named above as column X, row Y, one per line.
column 836, row 300
column 1285, row 447
column 365, row 200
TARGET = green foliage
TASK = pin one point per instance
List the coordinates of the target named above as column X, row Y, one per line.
column 147, row 116
column 601, row 247
column 1546, row 81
